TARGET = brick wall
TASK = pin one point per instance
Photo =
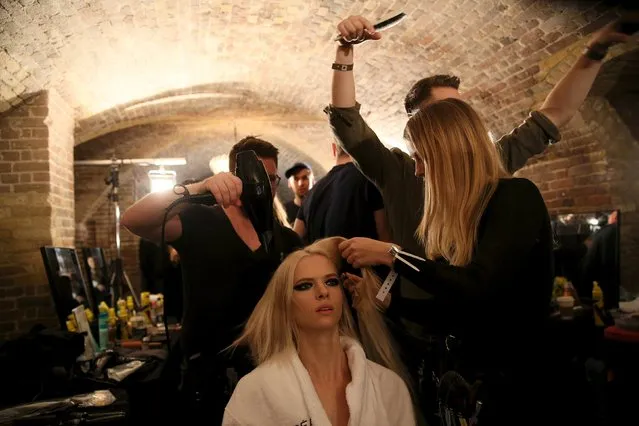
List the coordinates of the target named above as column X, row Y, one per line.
column 60, row 125
column 34, row 152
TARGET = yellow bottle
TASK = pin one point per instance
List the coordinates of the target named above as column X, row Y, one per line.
column 145, row 298
column 124, row 325
column 130, row 306
column 71, row 326
column 89, row 313
column 598, row 300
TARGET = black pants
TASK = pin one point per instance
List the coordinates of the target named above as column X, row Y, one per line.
column 420, row 357
column 205, row 389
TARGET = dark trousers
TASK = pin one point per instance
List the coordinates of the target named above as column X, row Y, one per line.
column 419, row 356
column 205, row 389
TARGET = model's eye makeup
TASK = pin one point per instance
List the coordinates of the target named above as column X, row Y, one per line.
column 303, row 286
column 332, row 282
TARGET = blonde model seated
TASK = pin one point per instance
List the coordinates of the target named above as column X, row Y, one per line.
column 312, row 369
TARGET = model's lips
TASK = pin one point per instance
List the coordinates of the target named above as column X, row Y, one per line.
column 325, row 308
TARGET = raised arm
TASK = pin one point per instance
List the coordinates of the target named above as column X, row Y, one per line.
column 144, row 218
column 542, row 127
column 569, row 93
column 351, row 132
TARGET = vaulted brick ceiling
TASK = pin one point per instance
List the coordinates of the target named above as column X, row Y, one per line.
column 125, row 62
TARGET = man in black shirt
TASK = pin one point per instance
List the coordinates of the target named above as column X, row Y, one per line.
column 343, row 203
column 300, row 180
column 225, row 269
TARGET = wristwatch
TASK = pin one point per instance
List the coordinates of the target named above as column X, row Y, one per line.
column 596, row 51
column 394, row 251
column 182, row 190
column 398, row 254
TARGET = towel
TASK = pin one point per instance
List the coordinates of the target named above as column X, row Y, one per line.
column 280, row 393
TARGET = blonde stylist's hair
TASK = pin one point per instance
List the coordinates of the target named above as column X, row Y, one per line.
column 462, row 170
column 271, row 331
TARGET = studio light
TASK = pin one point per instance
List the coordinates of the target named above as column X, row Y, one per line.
column 219, row 164
column 593, row 221
column 162, row 180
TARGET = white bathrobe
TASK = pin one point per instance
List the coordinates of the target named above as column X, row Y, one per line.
column 281, row 393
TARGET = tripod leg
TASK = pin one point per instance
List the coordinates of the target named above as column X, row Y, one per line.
column 133, row 293
column 113, row 286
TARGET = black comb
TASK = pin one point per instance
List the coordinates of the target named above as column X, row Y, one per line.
column 384, row 25
column 390, row 22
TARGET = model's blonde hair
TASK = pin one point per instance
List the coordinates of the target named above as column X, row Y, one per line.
column 462, row 171
column 271, row 331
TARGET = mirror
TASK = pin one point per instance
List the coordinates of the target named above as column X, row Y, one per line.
column 68, row 287
column 98, row 276
column 587, row 247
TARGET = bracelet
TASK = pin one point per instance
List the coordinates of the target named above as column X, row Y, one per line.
column 342, row 67
column 596, row 52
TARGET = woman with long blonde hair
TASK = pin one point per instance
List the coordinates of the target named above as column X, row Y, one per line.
column 487, row 256
column 311, row 367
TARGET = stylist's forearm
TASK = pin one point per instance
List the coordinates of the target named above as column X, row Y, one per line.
column 343, row 92
column 570, row 92
column 149, row 211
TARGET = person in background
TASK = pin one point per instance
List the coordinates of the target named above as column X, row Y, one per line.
column 487, row 262
column 312, row 368
column 225, row 271
column 601, row 263
column 300, row 179
column 343, row 203
column 99, row 282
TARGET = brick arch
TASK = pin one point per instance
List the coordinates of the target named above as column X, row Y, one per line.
column 195, row 141
column 106, row 53
column 211, row 103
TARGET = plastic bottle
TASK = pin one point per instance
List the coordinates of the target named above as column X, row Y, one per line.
column 124, row 325
column 113, row 321
column 130, row 306
column 89, row 314
column 103, row 326
column 71, row 327
column 145, row 297
column 153, row 312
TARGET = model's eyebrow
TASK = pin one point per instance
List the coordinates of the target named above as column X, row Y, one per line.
column 301, row 280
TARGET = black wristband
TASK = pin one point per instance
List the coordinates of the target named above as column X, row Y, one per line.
column 596, row 51
column 342, row 67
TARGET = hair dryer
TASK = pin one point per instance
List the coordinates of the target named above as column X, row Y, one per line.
column 257, row 198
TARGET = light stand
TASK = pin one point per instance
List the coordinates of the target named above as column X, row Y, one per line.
column 119, row 277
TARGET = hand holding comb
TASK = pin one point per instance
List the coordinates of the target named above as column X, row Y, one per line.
column 380, row 26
